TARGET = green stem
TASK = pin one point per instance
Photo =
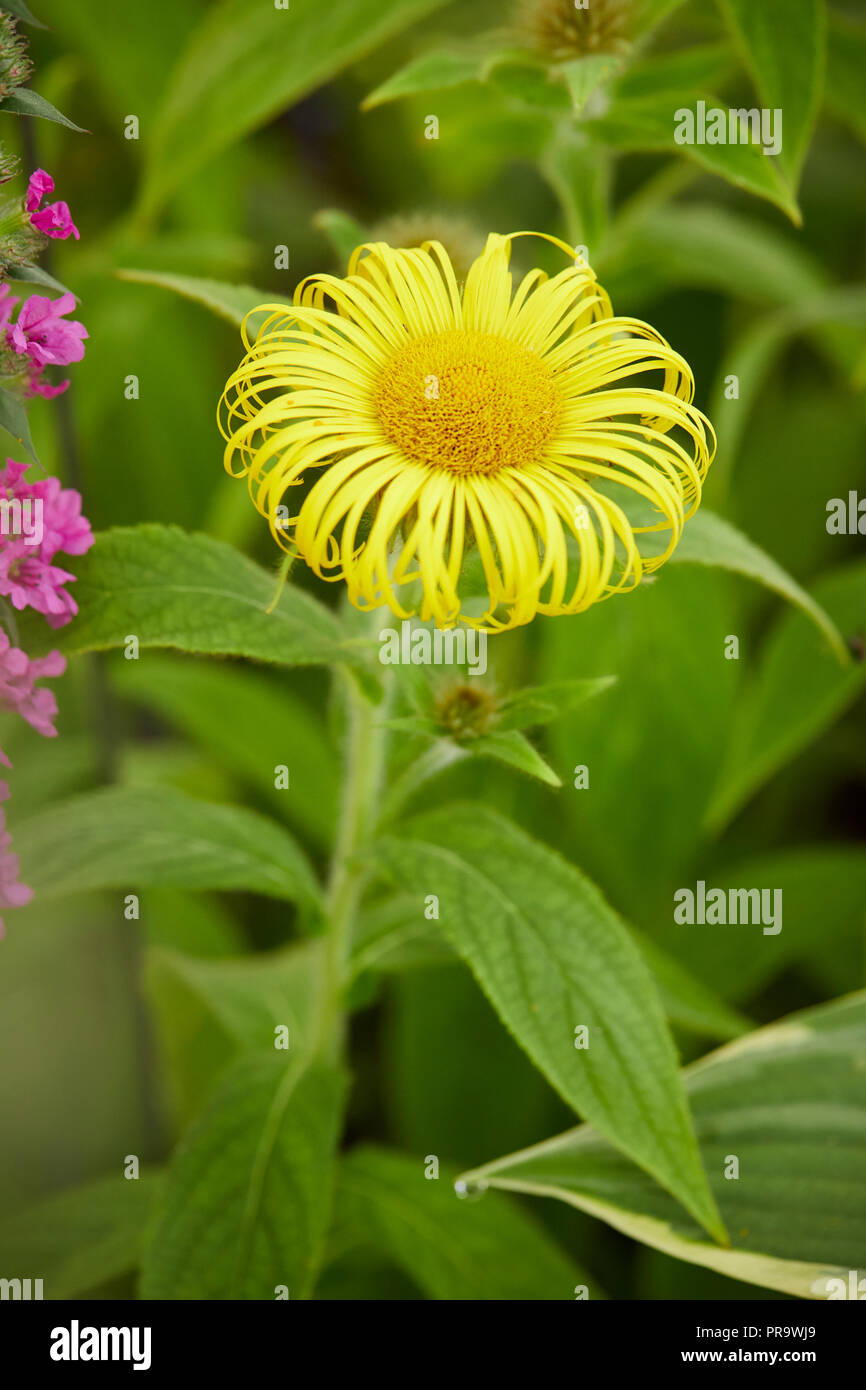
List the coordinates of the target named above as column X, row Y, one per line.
column 362, row 785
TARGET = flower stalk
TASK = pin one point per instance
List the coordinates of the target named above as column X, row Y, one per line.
column 364, row 770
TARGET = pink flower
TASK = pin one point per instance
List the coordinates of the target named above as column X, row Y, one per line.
column 30, row 581
column 44, row 335
column 55, row 221
column 18, row 677
column 40, row 184
column 38, row 387
column 63, row 526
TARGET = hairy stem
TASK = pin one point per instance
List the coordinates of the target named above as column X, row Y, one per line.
column 362, row 785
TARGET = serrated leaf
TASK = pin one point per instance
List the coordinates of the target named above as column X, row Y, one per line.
column 234, row 303
column 126, row 838
column 394, row 936
column 25, row 102
column 172, row 588
column 83, row 1237
column 799, row 689
column 452, row 1249
column 245, row 64
column 788, row 1102
column 551, row 955
column 13, row 419
column 783, row 46
column 247, row 1196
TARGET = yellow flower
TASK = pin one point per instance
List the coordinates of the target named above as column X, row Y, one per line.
column 431, row 423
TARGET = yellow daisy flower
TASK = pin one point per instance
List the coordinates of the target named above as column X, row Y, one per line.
column 433, row 424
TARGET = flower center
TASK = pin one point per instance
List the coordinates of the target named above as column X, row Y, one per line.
column 467, row 401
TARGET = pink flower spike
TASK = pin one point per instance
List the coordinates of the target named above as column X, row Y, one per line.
column 40, row 184
column 55, row 221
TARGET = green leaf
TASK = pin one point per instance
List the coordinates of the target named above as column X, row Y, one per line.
column 130, row 838
column 512, row 748
column 675, row 695
column 171, row 588
column 25, row 102
column 817, row 883
column 551, row 955
column 783, row 47
column 710, row 540
column 583, row 75
column 344, row 233
column 22, row 11
column 394, row 936
column 124, row 65
column 247, row 995
column 429, row 73
column 648, row 123
column 846, row 62
column 198, row 924
column 13, row 419
column 231, row 302
column 245, row 64
column 753, row 354
column 35, row 275
column 452, row 1249
column 251, row 724
column 788, row 1102
column 248, row 1194
column 650, row 13
column 209, row 1012
column 687, row 1002
column 696, row 68
column 798, row 691
column 83, row 1237
column 712, row 247
column 541, row 704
